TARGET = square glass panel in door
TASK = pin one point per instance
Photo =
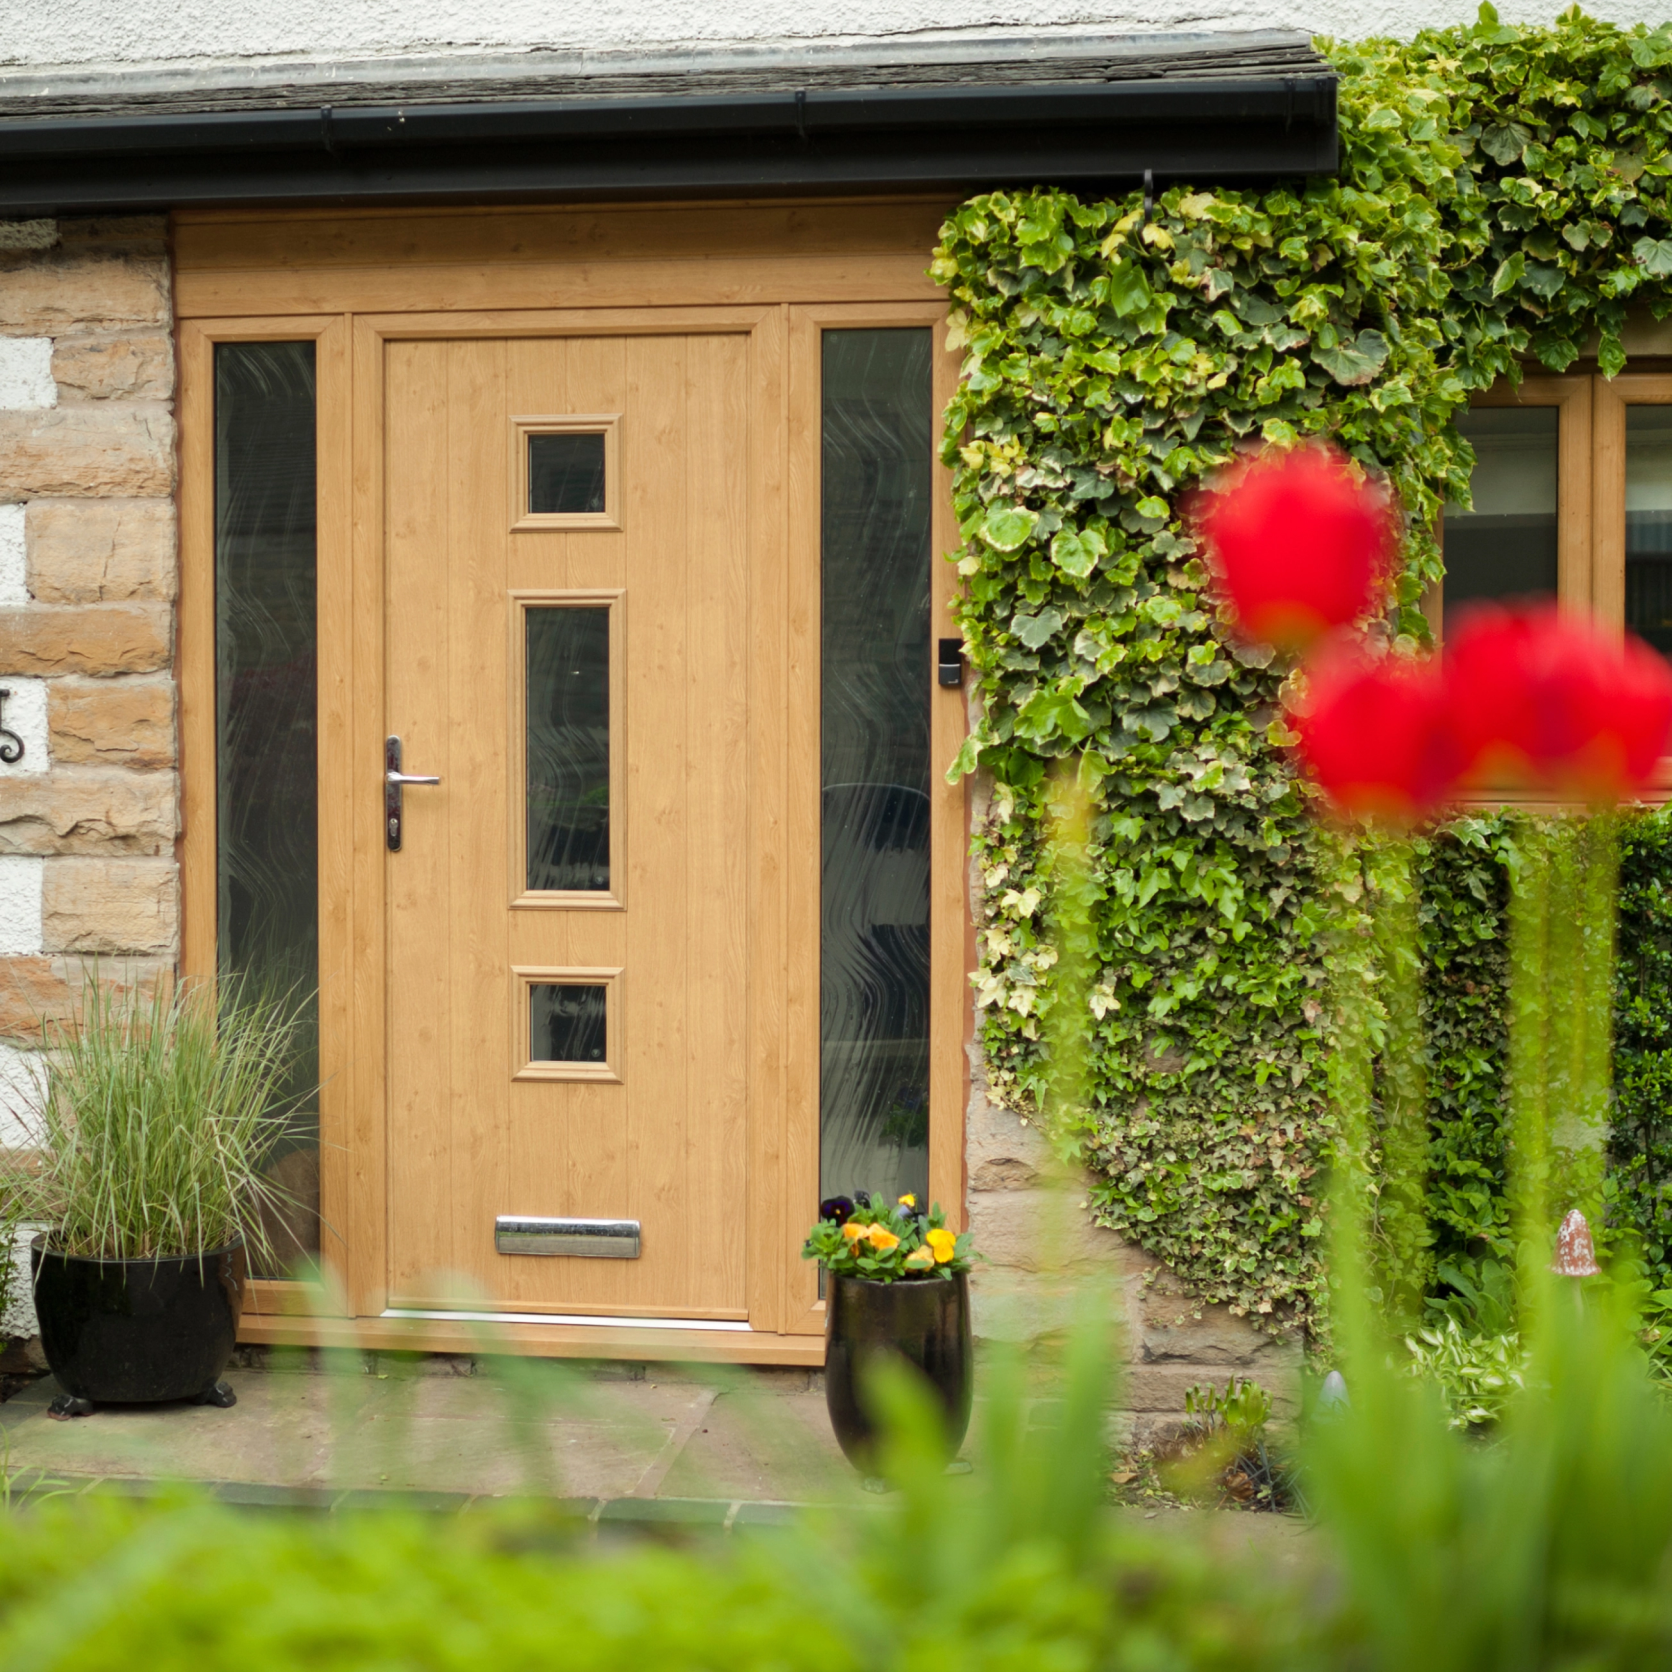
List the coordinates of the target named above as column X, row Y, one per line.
column 566, row 473
column 1649, row 524
column 1506, row 546
column 568, row 1022
column 877, row 484
column 567, row 701
column 266, row 734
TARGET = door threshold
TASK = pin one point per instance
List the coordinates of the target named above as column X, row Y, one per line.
column 650, row 1339
column 453, row 1317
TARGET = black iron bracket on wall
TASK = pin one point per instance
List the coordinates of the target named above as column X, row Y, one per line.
column 874, row 139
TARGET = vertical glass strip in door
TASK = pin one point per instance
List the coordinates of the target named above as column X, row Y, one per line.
column 877, row 485
column 567, row 747
column 1505, row 548
column 1649, row 524
column 266, row 730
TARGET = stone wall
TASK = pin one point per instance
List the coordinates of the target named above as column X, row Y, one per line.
column 88, row 816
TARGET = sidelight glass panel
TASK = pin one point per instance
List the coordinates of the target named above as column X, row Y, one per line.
column 1649, row 524
column 874, row 952
column 568, row 748
column 1506, row 546
column 566, row 472
column 265, row 718
column 567, row 1022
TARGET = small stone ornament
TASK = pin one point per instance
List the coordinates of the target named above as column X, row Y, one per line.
column 1575, row 1256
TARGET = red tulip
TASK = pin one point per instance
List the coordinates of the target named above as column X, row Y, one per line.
column 1540, row 697
column 1299, row 543
column 1375, row 735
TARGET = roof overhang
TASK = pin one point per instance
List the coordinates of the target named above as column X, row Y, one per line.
column 978, row 115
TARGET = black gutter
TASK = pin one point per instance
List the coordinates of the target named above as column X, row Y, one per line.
column 849, row 140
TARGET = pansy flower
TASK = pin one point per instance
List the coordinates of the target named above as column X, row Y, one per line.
column 942, row 1244
column 838, row 1208
column 880, row 1238
column 920, row 1259
column 853, row 1232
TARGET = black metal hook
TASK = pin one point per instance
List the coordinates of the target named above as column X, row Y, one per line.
column 1149, row 198
column 11, row 745
column 801, row 114
column 327, row 137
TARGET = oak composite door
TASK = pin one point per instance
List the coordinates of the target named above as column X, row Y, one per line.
column 571, row 532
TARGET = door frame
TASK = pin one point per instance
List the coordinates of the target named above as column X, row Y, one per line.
column 802, row 268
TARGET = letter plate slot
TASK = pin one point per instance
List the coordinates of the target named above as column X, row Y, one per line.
column 589, row 1239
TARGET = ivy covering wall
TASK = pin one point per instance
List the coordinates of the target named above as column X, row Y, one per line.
column 1503, row 195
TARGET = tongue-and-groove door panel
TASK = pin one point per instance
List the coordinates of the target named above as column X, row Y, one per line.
column 573, row 918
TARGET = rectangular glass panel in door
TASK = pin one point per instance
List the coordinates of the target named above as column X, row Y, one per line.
column 877, row 483
column 266, row 735
column 1649, row 524
column 568, row 748
column 1506, row 546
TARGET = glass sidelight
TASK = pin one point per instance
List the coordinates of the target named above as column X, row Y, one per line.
column 266, row 735
column 1506, row 547
column 877, row 486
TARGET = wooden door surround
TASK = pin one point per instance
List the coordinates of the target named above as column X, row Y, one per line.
column 381, row 293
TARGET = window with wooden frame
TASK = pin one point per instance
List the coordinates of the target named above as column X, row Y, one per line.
column 1572, row 497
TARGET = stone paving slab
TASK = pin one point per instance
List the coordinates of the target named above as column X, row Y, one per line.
column 550, row 1433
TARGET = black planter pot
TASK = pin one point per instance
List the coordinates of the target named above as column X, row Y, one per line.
column 134, row 1332
column 926, row 1322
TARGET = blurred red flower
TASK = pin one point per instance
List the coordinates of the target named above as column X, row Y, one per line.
column 1540, row 697
column 1375, row 734
column 1299, row 542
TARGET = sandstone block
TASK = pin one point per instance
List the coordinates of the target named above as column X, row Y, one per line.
column 97, row 368
column 43, row 991
column 93, row 638
column 102, row 811
column 88, row 551
column 84, row 286
column 115, row 722
column 1047, row 1230
column 110, row 905
column 107, row 449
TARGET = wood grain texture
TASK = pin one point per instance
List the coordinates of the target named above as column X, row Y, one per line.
column 1610, row 403
column 667, row 1145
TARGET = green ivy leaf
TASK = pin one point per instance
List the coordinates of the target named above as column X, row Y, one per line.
column 1655, row 255
column 1129, row 290
column 1356, row 362
column 1006, row 527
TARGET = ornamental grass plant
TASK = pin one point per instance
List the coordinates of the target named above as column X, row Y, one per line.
column 161, row 1111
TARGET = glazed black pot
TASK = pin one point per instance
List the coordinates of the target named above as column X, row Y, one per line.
column 924, row 1321
column 133, row 1332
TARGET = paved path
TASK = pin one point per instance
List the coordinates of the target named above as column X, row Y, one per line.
column 458, row 1430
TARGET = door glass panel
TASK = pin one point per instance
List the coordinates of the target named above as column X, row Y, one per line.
column 566, row 472
column 1649, row 524
column 1506, row 546
column 568, row 748
column 266, row 735
column 878, row 484
column 567, row 1022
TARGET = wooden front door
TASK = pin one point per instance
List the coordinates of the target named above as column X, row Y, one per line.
column 578, row 644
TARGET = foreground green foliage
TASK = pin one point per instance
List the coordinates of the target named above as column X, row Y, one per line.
column 1547, row 1550
column 1502, row 191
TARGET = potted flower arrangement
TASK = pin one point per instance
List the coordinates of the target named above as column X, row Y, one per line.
column 149, row 1173
column 898, row 1286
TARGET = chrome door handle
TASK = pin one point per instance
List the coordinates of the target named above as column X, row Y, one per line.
column 394, row 782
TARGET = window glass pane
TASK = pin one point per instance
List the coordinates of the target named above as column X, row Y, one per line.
column 1506, row 546
column 1649, row 524
column 265, row 713
column 566, row 472
column 877, row 491
column 566, row 1022
column 568, row 748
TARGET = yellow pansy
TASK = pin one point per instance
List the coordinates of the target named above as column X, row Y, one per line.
column 920, row 1258
column 882, row 1239
column 853, row 1232
column 943, row 1244
column 908, row 1200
